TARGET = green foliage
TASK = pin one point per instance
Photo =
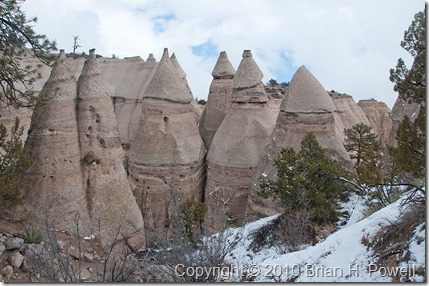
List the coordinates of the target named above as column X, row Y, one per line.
column 307, row 180
column 32, row 234
column 365, row 148
column 13, row 163
column 410, row 83
column 272, row 82
column 192, row 213
column 17, row 39
column 409, row 155
column 202, row 101
column 231, row 219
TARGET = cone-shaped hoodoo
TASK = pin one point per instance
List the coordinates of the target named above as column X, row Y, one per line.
column 219, row 99
column 109, row 196
column 237, row 147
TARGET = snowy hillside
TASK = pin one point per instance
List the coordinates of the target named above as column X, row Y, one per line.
column 341, row 257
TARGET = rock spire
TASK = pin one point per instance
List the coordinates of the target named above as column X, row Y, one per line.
column 247, row 84
column 109, row 198
column 52, row 187
column 237, row 147
column 166, row 155
column 167, row 84
column 219, row 99
column 306, row 95
column 306, row 108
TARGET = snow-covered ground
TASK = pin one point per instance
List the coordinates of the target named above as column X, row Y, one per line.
column 341, row 257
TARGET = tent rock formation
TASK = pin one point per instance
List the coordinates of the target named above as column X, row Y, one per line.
column 306, row 108
column 219, row 99
column 166, row 156
column 109, row 198
column 237, row 147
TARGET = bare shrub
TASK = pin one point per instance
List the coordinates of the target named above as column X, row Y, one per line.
column 391, row 243
column 170, row 256
column 66, row 257
column 286, row 233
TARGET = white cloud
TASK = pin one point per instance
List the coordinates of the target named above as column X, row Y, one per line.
column 348, row 45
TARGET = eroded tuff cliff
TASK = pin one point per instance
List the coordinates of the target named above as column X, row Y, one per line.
column 237, row 147
column 380, row 118
column 399, row 110
column 77, row 179
column 166, row 157
column 347, row 112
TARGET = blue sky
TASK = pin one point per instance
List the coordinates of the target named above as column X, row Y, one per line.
column 349, row 45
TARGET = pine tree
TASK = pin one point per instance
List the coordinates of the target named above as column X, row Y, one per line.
column 409, row 155
column 411, row 83
column 307, row 180
column 365, row 149
column 13, row 163
column 18, row 39
column 192, row 213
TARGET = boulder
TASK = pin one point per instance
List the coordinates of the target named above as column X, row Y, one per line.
column 2, row 249
column 237, row 147
column 219, row 99
column 13, row 243
column 7, row 272
column 15, row 259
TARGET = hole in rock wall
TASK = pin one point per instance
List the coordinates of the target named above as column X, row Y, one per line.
column 165, row 119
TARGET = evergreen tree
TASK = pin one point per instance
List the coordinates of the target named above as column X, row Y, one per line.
column 409, row 155
column 13, row 163
column 410, row 83
column 18, row 39
column 192, row 213
column 365, row 149
column 307, row 180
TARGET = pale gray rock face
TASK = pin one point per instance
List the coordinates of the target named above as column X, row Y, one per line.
column 306, row 108
column 248, row 73
column 111, row 203
column 380, row 118
column 175, row 62
column 219, row 99
column 13, row 243
column 167, row 84
column 306, row 94
column 223, row 68
column 166, row 154
column 247, row 84
column 128, row 111
column 347, row 113
column 53, row 187
column 399, row 110
column 237, row 147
